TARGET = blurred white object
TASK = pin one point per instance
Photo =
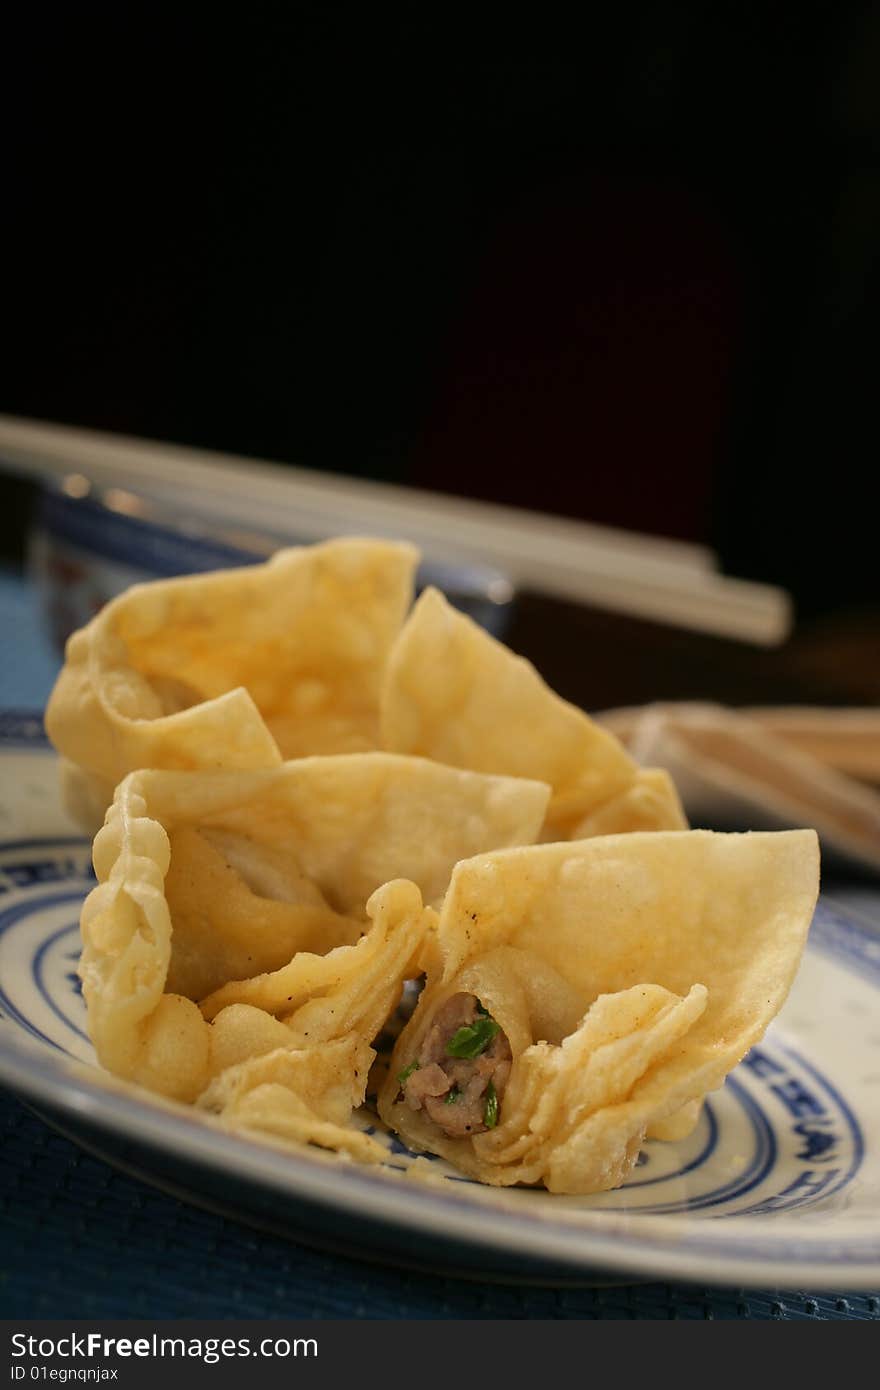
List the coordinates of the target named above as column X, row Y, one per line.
column 645, row 576
column 86, row 546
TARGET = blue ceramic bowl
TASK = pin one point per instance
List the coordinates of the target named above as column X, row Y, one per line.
column 87, row 545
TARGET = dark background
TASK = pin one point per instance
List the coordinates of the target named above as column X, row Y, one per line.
column 628, row 272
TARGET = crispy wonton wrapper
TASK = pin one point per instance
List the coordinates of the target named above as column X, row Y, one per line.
column 629, row 973
column 455, row 694
column 238, row 668
column 651, row 802
column 304, row 1094
column 283, row 874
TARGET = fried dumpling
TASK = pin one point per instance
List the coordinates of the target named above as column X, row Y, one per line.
column 245, row 1065
column 314, row 871
column 238, row 668
column 580, row 995
column 453, row 693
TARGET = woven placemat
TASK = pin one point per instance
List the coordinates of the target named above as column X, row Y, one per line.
column 81, row 1240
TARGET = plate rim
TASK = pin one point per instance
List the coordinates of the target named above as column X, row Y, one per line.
column 596, row 1240
column 620, row 1242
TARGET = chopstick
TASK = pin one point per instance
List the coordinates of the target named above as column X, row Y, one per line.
column 666, row 581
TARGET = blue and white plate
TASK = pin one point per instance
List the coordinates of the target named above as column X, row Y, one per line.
column 780, row 1183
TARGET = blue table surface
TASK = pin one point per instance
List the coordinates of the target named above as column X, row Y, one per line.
column 78, row 1239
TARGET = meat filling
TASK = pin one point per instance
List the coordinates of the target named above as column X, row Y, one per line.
column 460, row 1093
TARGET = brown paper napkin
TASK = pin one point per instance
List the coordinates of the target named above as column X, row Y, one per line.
column 767, row 767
